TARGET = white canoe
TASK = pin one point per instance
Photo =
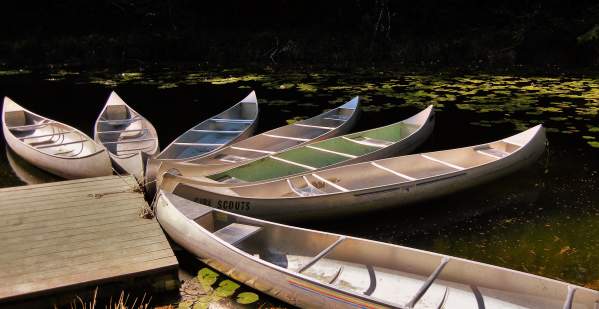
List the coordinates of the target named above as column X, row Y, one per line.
column 234, row 124
column 129, row 137
column 328, row 124
column 312, row 269
column 399, row 138
column 53, row 146
column 369, row 186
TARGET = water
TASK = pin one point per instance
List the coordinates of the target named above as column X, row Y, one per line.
column 543, row 220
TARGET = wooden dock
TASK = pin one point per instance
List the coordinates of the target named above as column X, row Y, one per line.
column 72, row 234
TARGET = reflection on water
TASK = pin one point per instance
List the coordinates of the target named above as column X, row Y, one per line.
column 27, row 173
column 543, row 220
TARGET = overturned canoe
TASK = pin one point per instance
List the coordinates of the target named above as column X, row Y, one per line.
column 328, row 124
column 129, row 137
column 312, row 269
column 234, row 124
column 52, row 146
column 398, row 138
column 370, row 185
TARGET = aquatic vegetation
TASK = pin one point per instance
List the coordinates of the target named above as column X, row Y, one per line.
column 14, row 72
column 209, row 287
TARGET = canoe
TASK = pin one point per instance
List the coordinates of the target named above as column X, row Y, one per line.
column 234, row 124
column 328, row 124
column 129, row 137
column 53, row 146
column 369, row 186
column 312, row 269
column 399, row 138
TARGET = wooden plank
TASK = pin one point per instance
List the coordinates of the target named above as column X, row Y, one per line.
column 14, row 199
column 70, row 204
column 70, row 233
column 72, row 183
column 67, row 240
column 61, row 223
column 79, row 256
column 155, row 265
column 97, row 192
column 157, row 251
column 122, row 223
column 70, row 246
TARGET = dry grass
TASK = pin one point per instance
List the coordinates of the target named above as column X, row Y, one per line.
column 123, row 302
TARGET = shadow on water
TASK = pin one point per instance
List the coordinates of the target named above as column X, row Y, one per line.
column 543, row 219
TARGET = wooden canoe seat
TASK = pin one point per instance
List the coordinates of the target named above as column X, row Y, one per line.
column 15, row 118
column 117, row 112
column 236, row 232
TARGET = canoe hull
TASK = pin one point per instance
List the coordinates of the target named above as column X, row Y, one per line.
column 361, row 201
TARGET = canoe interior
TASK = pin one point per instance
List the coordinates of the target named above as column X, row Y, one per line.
column 386, row 273
column 124, row 132
column 213, row 133
column 380, row 173
column 47, row 136
column 318, row 155
column 280, row 139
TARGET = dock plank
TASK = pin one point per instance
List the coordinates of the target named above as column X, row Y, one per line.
column 66, row 235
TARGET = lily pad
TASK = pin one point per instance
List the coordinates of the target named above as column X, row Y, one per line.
column 246, row 298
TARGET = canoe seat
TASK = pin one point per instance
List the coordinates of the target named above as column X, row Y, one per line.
column 15, row 118
column 236, row 232
column 116, row 112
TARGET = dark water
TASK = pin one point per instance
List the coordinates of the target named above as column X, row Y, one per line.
column 543, row 220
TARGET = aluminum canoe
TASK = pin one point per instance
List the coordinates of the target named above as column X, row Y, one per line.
column 312, row 269
column 51, row 145
column 129, row 137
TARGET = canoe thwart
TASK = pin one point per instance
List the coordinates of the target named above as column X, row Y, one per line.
column 322, row 254
column 61, row 144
